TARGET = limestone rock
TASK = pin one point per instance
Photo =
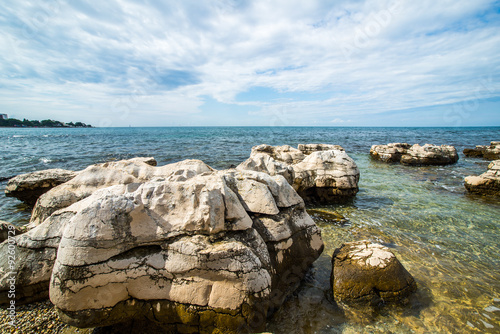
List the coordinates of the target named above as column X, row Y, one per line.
column 368, row 272
column 430, row 155
column 391, row 152
column 107, row 174
column 415, row 155
column 29, row 187
column 318, row 172
column 491, row 152
column 310, row 148
column 487, row 183
column 213, row 251
column 7, row 229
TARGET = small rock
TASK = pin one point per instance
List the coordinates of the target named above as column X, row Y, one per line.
column 368, row 272
column 487, row 183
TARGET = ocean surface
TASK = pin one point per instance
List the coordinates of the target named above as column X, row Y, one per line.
column 448, row 240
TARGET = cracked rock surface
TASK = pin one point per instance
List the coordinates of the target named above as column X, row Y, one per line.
column 369, row 273
column 415, row 155
column 190, row 250
column 487, row 183
column 318, row 172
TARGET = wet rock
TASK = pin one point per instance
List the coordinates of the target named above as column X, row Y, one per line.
column 29, row 187
column 487, row 183
column 369, row 273
column 491, row 152
column 107, row 174
column 318, row 172
column 215, row 251
column 415, row 155
column 391, row 152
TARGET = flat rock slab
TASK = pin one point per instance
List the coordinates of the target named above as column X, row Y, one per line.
column 415, row 155
column 367, row 272
column 29, row 187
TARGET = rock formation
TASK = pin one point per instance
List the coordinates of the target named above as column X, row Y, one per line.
column 391, row 152
column 415, row 155
column 491, row 152
column 107, row 174
column 29, row 187
column 487, row 183
column 7, row 229
column 369, row 273
column 430, row 155
column 318, row 172
column 185, row 252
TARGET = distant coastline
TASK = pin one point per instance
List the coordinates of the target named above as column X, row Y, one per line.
column 46, row 123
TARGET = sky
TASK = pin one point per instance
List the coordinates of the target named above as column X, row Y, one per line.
column 252, row 63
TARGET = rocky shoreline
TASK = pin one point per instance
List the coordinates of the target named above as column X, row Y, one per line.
column 265, row 188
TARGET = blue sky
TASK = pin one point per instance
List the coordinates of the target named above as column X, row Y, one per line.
column 270, row 63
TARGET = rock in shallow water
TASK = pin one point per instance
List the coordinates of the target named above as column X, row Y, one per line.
column 491, row 152
column 318, row 172
column 369, row 273
column 202, row 252
column 487, row 183
column 415, row 155
column 29, row 187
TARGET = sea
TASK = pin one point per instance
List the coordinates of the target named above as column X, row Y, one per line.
column 447, row 239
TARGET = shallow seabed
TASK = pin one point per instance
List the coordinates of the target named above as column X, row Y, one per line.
column 445, row 238
column 448, row 240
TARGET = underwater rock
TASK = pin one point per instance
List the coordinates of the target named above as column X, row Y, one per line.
column 215, row 251
column 29, row 187
column 370, row 273
column 318, row 172
column 487, row 183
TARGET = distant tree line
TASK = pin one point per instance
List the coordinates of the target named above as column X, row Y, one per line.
column 46, row 123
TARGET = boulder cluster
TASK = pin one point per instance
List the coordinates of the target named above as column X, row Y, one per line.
column 415, row 155
column 181, row 247
column 491, row 152
column 318, row 172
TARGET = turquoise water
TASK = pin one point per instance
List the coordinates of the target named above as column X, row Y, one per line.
column 447, row 240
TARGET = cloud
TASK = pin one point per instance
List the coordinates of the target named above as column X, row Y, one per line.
column 314, row 61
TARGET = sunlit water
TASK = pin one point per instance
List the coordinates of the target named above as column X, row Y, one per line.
column 448, row 240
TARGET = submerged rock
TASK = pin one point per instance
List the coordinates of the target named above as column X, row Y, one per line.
column 188, row 252
column 487, row 183
column 369, row 273
column 491, row 152
column 415, row 155
column 29, row 187
column 318, row 172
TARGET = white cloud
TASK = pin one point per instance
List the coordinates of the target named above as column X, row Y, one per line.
column 350, row 57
